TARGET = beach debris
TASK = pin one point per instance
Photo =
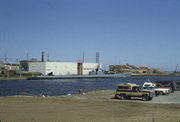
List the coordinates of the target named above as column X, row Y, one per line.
column 69, row 94
column 41, row 95
column 81, row 92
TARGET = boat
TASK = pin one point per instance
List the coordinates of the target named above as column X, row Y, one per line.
column 48, row 77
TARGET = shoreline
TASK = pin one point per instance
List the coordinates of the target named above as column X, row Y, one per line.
column 106, row 95
column 133, row 75
column 13, row 78
column 96, row 106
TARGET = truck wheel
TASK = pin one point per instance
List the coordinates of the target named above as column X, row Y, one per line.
column 145, row 98
column 115, row 96
column 122, row 96
column 156, row 93
column 160, row 93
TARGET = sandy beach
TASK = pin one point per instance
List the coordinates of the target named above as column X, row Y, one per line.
column 96, row 106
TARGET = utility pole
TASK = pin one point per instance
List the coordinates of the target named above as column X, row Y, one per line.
column 83, row 58
column 19, row 67
column 20, row 70
column 5, row 58
column 48, row 57
column 16, row 65
column 27, row 56
column 6, row 66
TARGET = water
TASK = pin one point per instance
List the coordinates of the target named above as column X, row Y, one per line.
column 66, row 86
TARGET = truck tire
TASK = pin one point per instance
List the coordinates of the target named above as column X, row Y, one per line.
column 122, row 96
column 160, row 93
column 145, row 98
column 156, row 93
column 116, row 96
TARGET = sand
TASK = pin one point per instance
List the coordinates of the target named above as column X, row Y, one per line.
column 97, row 106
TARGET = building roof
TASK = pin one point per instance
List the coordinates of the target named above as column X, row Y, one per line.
column 133, row 67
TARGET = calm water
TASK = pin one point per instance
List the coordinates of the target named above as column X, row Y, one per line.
column 63, row 87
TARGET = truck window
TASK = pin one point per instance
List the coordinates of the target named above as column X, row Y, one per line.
column 135, row 89
column 123, row 87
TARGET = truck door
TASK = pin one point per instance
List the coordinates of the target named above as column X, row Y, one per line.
column 135, row 91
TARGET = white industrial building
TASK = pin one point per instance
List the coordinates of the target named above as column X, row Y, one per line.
column 63, row 68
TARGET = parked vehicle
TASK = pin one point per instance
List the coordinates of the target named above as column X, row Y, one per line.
column 150, row 89
column 178, row 85
column 129, row 90
column 158, row 91
column 167, row 84
column 162, row 91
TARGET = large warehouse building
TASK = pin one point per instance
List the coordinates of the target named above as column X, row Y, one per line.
column 63, row 68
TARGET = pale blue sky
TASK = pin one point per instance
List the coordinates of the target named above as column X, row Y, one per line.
column 138, row 32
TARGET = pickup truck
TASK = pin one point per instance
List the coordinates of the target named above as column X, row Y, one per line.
column 129, row 90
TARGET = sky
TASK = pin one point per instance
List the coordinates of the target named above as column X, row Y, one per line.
column 137, row 32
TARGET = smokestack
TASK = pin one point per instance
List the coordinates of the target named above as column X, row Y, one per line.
column 42, row 60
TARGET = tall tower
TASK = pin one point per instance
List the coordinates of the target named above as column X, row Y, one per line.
column 97, row 60
column 97, row 57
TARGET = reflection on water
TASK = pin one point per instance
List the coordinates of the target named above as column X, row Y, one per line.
column 65, row 86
